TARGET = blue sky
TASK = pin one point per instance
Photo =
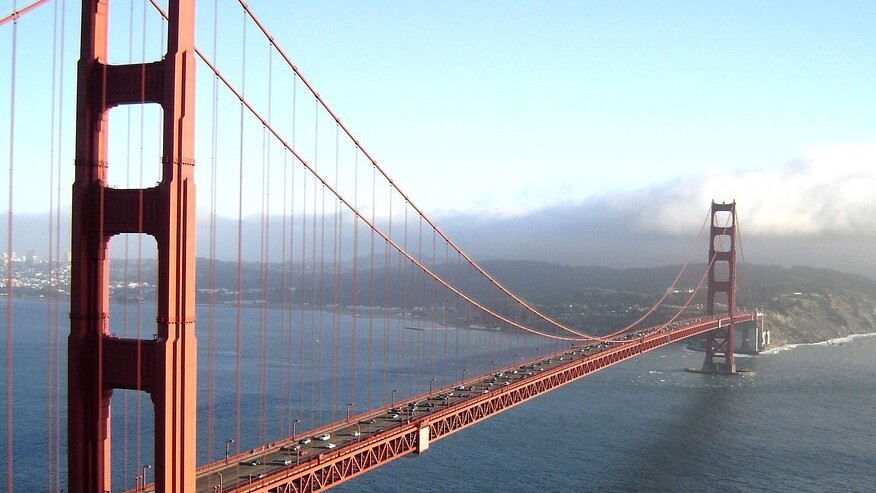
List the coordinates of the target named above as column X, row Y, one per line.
column 505, row 108
column 529, row 104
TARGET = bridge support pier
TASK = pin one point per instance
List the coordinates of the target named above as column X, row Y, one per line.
column 722, row 280
column 423, row 439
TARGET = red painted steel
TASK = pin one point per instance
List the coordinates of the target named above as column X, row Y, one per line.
column 719, row 342
column 99, row 362
column 332, row 468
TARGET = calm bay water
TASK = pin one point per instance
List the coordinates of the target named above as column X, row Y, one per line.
column 803, row 420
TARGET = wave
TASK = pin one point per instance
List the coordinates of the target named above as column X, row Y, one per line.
column 829, row 342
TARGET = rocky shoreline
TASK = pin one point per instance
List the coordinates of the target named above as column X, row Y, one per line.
column 805, row 305
column 814, row 317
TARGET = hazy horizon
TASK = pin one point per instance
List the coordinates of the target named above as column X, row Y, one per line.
column 587, row 234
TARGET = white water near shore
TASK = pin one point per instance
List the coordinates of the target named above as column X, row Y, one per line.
column 830, row 342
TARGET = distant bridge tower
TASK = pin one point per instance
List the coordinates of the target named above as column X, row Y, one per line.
column 722, row 279
column 99, row 362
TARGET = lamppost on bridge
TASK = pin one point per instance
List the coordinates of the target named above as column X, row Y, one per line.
column 358, row 432
column 492, row 363
column 145, row 466
column 228, row 448
column 221, row 488
column 464, row 371
column 294, row 422
column 430, row 385
column 349, row 408
column 137, row 481
column 392, row 399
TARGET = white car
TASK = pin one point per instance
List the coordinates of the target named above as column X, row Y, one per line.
column 325, row 437
column 330, row 445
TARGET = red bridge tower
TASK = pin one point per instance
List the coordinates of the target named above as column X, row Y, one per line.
column 99, row 362
column 722, row 279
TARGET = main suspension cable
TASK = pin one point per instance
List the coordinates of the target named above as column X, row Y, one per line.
column 16, row 14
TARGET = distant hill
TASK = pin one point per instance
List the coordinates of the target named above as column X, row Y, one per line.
column 802, row 304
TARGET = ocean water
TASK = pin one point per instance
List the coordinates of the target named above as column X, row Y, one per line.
column 802, row 419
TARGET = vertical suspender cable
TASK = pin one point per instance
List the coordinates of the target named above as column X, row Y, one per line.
column 320, row 305
column 211, row 314
column 57, row 339
column 371, row 292
column 470, row 319
column 301, row 278
column 459, row 321
column 262, row 306
column 434, row 314
column 298, row 285
column 140, row 211
column 403, row 297
column 423, row 302
column 139, row 312
column 9, row 394
column 355, row 294
column 240, row 248
column 420, row 300
column 285, row 404
column 314, row 355
column 335, row 272
column 53, row 299
column 304, row 303
column 288, row 282
column 263, row 276
column 266, row 220
column 284, row 306
column 448, row 322
column 126, row 310
column 387, row 304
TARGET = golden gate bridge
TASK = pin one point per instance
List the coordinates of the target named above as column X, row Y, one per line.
column 375, row 334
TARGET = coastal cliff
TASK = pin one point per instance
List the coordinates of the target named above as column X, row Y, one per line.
column 812, row 305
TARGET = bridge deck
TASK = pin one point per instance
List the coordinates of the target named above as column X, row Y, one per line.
column 368, row 441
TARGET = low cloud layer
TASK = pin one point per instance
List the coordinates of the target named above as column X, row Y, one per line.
column 829, row 191
column 818, row 210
